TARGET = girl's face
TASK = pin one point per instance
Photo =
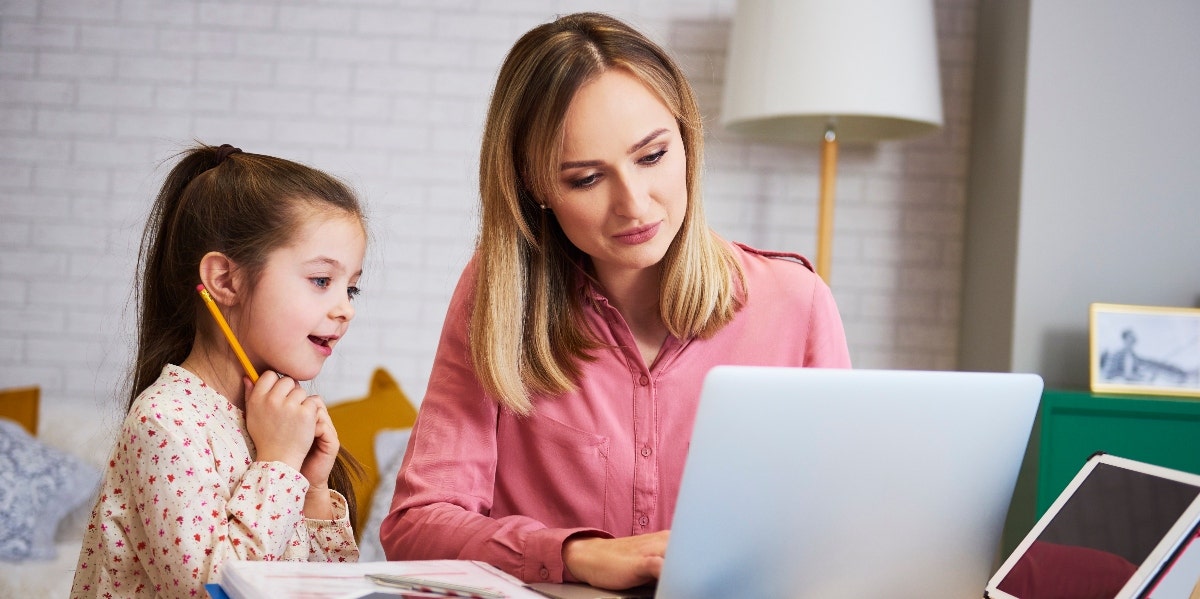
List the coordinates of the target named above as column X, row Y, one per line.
column 300, row 306
column 622, row 184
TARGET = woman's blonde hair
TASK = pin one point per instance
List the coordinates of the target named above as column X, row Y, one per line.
column 528, row 334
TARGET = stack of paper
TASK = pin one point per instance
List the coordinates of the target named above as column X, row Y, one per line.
column 319, row 580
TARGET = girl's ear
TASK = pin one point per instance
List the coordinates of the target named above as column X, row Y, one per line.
column 217, row 274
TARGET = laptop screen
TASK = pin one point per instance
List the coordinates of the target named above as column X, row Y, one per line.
column 1101, row 535
column 808, row 482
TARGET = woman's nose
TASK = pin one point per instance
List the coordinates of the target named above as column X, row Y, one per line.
column 629, row 195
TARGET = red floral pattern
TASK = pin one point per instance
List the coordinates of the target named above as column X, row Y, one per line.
column 182, row 494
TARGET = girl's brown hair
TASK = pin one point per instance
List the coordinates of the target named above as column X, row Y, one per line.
column 527, row 332
column 242, row 205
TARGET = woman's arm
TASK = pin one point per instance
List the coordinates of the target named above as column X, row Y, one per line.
column 444, row 492
column 826, row 337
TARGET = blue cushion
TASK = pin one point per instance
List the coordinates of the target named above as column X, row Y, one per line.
column 39, row 486
column 390, row 445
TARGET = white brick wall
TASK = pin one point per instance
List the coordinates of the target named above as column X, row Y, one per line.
column 95, row 96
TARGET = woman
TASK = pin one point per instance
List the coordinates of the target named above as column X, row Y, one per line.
column 552, row 438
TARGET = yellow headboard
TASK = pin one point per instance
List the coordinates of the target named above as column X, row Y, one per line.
column 21, row 405
column 357, row 421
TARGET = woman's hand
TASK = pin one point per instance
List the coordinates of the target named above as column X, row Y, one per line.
column 281, row 420
column 616, row 563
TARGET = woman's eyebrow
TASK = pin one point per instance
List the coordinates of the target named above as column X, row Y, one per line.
column 641, row 143
column 579, row 164
column 646, row 140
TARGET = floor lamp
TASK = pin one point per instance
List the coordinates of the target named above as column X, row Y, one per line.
column 833, row 70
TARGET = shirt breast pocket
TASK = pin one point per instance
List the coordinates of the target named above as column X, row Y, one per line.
column 552, row 472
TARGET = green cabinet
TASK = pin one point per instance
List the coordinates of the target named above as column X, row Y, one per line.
column 1075, row 424
column 1072, row 425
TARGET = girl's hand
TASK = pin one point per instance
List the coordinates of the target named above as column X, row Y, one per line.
column 280, row 419
column 318, row 463
column 324, row 449
column 619, row 563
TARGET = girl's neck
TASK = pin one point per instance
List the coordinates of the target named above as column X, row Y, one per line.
column 220, row 371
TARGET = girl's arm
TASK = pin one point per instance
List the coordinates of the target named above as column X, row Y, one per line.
column 290, row 427
column 198, row 497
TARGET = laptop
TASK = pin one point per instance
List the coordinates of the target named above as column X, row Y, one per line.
column 1121, row 529
column 805, row 482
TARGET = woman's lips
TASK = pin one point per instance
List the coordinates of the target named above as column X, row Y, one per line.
column 639, row 235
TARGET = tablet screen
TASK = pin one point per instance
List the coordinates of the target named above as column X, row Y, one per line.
column 1100, row 537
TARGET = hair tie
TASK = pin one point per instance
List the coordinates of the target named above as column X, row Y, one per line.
column 224, row 151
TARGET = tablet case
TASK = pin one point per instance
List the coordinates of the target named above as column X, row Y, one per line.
column 1113, row 532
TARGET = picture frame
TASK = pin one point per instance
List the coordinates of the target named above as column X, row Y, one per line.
column 1151, row 350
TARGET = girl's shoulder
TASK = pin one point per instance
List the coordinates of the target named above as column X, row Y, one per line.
column 177, row 393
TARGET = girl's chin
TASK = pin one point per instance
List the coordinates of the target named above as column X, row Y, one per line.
column 298, row 372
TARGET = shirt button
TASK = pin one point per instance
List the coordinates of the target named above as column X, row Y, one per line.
column 645, row 380
column 544, row 573
column 643, row 521
column 646, row 452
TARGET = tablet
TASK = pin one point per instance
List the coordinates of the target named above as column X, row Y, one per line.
column 1107, row 535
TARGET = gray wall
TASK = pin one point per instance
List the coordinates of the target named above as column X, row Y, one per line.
column 1085, row 170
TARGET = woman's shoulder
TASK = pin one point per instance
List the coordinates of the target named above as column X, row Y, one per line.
column 771, row 262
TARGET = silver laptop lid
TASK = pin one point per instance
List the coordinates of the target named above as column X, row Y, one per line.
column 847, row 483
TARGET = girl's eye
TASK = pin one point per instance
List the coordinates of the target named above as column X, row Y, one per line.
column 587, row 181
column 653, row 158
column 321, row 282
column 353, row 291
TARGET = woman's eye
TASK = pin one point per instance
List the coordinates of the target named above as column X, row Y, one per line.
column 587, row 181
column 321, row 282
column 653, row 158
column 353, row 291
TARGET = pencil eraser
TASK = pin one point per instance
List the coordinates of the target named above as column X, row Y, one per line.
column 200, row 287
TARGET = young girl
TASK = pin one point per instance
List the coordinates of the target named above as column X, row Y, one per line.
column 208, row 466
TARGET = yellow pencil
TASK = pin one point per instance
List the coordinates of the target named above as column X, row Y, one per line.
column 233, row 342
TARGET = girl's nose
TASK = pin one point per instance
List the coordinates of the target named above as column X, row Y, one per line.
column 343, row 310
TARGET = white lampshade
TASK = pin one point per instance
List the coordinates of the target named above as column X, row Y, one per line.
column 870, row 66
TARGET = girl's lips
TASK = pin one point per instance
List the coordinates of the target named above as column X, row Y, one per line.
column 324, row 345
column 639, row 235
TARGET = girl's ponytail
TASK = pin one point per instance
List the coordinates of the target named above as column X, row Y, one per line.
column 166, row 324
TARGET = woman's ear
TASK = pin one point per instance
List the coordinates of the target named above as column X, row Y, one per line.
column 217, row 275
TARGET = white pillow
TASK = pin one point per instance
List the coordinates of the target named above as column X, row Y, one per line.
column 39, row 487
column 390, row 445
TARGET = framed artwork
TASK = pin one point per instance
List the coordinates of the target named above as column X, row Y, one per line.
column 1150, row 350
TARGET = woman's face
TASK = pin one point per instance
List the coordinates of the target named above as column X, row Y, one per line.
column 622, row 183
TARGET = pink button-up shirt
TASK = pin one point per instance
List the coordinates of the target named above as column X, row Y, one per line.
column 479, row 482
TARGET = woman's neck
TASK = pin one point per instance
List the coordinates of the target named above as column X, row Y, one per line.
column 635, row 294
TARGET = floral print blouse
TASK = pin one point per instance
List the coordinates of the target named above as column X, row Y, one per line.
column 182, row 494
